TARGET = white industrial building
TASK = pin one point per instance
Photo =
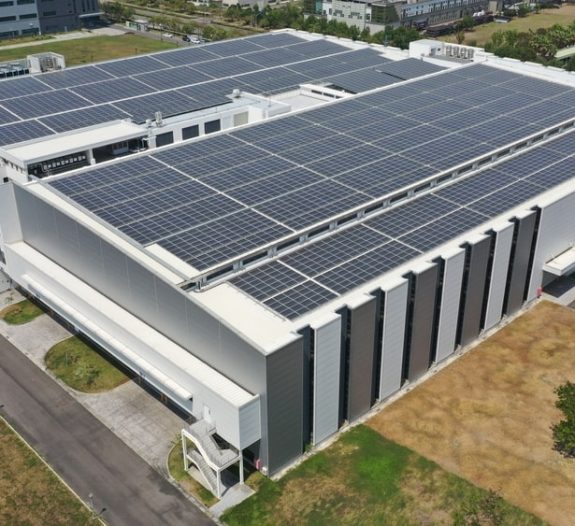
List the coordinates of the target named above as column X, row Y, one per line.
column 280, row 273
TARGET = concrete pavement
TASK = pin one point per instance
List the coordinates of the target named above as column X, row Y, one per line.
column 87, row 455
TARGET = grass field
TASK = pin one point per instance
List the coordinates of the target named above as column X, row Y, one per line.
column 94, row 49
column 30, row 494
column 565, row 15
column 188, row 484
column 21, row 313
column 487, row 417
column 365, row 479
column 82, row 368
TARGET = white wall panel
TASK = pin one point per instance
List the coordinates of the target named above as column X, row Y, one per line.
column 503, row 241
column 450, row 299
column 394, row 317
column 556, row 234
column 327, row 359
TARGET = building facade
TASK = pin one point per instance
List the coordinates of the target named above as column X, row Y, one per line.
column 32, row 17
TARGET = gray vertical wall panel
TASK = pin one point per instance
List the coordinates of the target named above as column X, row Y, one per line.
column 479, row 259
column 9, row 220
column 361, row 351
column 518, row 274
column 556, row 234
column 285, row 405
column 450, row 300
column 327, row 358
column 422, row 322
column 393, row 339
column 503, row 240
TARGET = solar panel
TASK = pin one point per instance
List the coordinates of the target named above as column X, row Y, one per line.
column 329, row 252
column 173, row 78
column 300, row 299
column 20, row 87
column 273, row 57
column 274, row 40
column 443, row 229
column 265, row 281
column 318, row 48
column 366, row 267
column 112, row 90
column 233, row 47
column 72, row 120
column 6, row 116
column 360, row 81
column 45, row 103
column 168, row 103
column 226, row 67
column 22, row 131
column 181, row 57
column 132, row 66
column 409, row 68
column 74, row 77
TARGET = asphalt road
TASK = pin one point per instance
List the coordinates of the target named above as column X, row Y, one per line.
column 87, row 455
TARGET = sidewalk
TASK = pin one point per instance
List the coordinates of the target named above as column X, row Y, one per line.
column 72, row 35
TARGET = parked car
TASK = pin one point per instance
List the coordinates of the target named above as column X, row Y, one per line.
column 192, row 39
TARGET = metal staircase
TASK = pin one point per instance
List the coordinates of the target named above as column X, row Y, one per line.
column 208, row 456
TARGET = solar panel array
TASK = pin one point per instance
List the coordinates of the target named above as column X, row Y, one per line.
column 183, row 80
column 233, row 193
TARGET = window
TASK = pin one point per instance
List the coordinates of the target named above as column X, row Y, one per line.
column 31, row 15
column 25, row 2
column 164, row 138
column 190, row 132
column 49, row 13
column 212, row 126
column 7, row 18
column 6, row 4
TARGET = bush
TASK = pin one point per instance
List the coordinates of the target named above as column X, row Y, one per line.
column 564, row 431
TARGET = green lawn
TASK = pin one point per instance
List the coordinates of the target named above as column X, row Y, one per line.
column 546, row 18
column 30, row 494
column 93, row 49
column 21, row 313
column 365, row 479
column 83, row 368
column 188, row 484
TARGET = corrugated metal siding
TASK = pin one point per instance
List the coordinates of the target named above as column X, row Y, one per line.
column 422, row 323
column 518, row 273
column 503, row 240
column 326, row 380
column 450, row 300
column 479, row 258
column 250, row 423
column 393, row 340
column 9, row 220
column 285, row 405
column 361, row 354
column 556, row 234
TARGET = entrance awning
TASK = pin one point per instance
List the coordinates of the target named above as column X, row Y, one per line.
column 561, row 265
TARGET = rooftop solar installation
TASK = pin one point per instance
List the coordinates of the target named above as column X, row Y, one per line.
column 280, row 177
column 179, row 81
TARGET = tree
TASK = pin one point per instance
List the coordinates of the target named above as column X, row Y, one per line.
column 467, row 23
column 564, row 431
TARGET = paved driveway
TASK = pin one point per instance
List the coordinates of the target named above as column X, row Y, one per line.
column 84, row 452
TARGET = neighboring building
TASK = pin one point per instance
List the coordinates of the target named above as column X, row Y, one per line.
column 31, row 17
column 378, row 14
column 282, row 276
column 18, row 17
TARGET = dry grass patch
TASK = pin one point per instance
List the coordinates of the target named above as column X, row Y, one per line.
column 487, row 417
column 30, row 494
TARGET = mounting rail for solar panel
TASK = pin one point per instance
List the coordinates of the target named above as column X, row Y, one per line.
column 222, row 271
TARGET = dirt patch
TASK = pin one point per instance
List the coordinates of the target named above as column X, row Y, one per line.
column 487, row 417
